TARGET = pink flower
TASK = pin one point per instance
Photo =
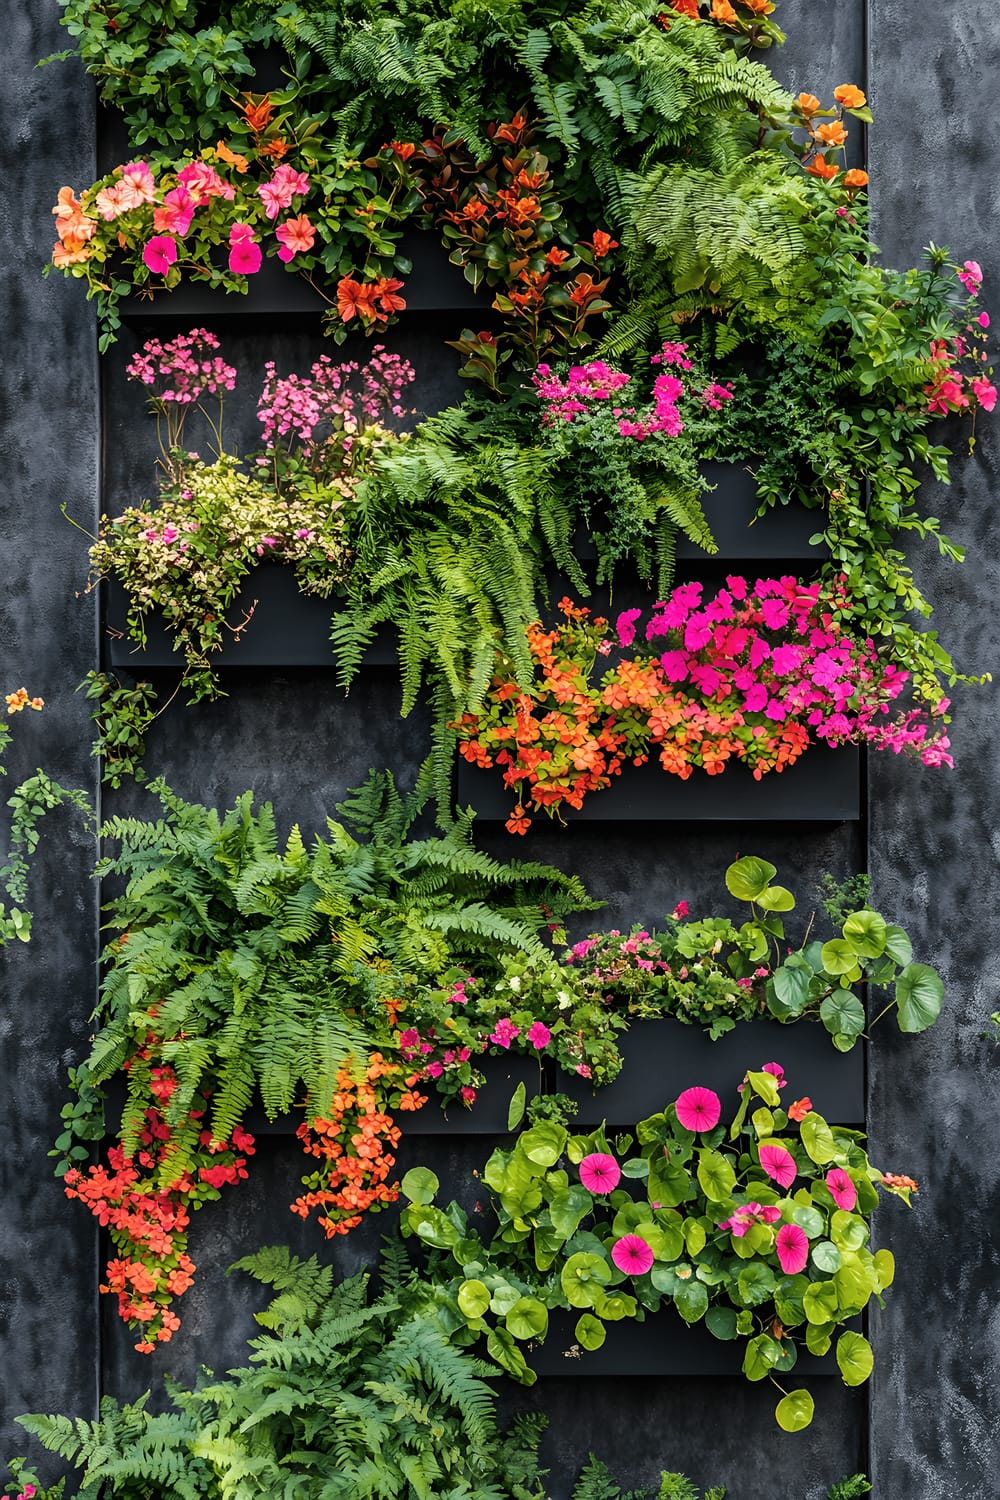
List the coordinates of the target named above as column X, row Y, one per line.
column 971, row 276
column 844, row 1193
column 680, row 910
column 983, row 320
column 698, row 1109
column 779, row 1165
column 176, row 212
column 792, row 1246
column 539, row 1035
column 468, row 1094
column 600, row 1173
column 296, row 235
column 986, row 394
column 632, row 1255
column 159, row 253
column 203, row 183
column 776, row 1071
column 504, row 1032
column 410, row 1038
column 244, row 253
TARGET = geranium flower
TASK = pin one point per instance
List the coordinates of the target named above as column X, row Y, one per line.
column 632, row 1255
column 504, row 1032
column 600, row 1173
column 792, row 1245
column 698, row 1109
column 779, row 1165
column 539, row 1035
column 845, row 1194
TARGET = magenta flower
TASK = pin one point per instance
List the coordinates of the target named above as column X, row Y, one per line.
column 539, row 1035
column 845, row 1194
column 632, row 1255
column 504, row 1032
column 779, row 1164
column 698, row 1109
column 600, row 1173
column 792, row 1246
column 245, row 257
column 159, row 253
column 776, row 1071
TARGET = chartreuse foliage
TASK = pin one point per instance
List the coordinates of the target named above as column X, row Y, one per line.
column 256, row 971
column 759, row 1229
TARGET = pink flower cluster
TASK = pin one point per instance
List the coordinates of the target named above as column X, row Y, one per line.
column 184, row 369
column 751, row 1213
column 586, row 387
column 293, row 409
column 414, row 1048
column 950, row 387
column 504, row 1032
column 724, row 649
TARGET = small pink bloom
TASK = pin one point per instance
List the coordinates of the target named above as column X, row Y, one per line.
column 409, row 1038
column 680, row 910
column 845, row 1194
column 504, row 1032
column 632, row 1255
column 539, row 1035
column 583, row 1070
column 175, row 213
column 468, row 1094
column 170, row 534
column 779, row 1165
column 776, row 1071
column 245, row 257
column 986, row 393
column 792, row 1246
column 600, row 1173
column 433, row 1070
column 698, row 1109
column 159, row 253
column 983, row 320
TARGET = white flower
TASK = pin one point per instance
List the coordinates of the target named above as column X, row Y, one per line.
column 515, row 982
column 564, row 1000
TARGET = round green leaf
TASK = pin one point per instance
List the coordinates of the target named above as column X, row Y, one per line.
column 528, row 1318
column 543, row 1143
column 716, row 1176
column 691, row 1301
column 885, row 1268
column 582, row 1277
column 473, row 1299
column 567, row 1208
column 817, row 1138
column 590, row 1331
column 819, row 1337
column 898, row 945
column 820, row 1302
column 748, row 877
column 843, row 1014
column 776, row 898
column 854, row 1357
column 866, row 933
column 761, row 1356
column 848, row 1231
column 420, row 1185
column 839, row 957
column 919, row 993
column 791, row 982
column 694, row 1237
column 794, row 1411
column 755, row 1284
column 826, row 1257
column 721, row 1322
column 809, row 1219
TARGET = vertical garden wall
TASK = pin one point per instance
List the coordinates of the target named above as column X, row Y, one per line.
column 75, row 432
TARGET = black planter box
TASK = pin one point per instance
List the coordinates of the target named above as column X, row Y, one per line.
column 433, row 285
column 662, row 1345
column 663, row 1057
column 287, row 628
column 823, row 786
column 488, row 1116
column 783, row 531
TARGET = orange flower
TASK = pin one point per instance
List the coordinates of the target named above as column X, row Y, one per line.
column 849, row 96
column 759, row 7
column 276, row 148
column 223, row 152
column 555, row 256
column 723, row 12
column 833, row 134
column 800, row 1108
column 603, row 244
column 808, row 104
column 355, row 300
column 855, row 178
column 821, row 168
column 257, row 113
column 894, row 1179
column 687, row 8
column 403, row 149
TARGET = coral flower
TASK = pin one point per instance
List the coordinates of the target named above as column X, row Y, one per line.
column 800, row 1108
column 792, row 1246
column 723, row 12
column 296, row 235
column 698, row 1109
column 808, row 103
column 159, row 253
column 632, row 1255
column 779, row 1165
column 600, row 1173
column 845, row 1194
column 849, row 96
column 687, row 8
column 855, row 178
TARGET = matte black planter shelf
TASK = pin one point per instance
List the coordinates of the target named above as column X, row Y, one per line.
column 663, row 1057
column 433, row 285
column 823, row 786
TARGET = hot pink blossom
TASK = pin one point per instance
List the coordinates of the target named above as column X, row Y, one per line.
column 792, row 1245
column 600, row 1173
column 504, row 1032
column 159, row 253
column 539, row 1035
column 175, row 213
column 845, row 1194
column 632, row 1255
column 779, row 1165
column 698, row 1109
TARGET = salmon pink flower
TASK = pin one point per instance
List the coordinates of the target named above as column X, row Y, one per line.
column 175, row 213
column 632, row 1255
column 600, row 1173
column 779, row 1165
column 845, row 1194
column 296, row 236
column 792, row 1246
column 698, row 1109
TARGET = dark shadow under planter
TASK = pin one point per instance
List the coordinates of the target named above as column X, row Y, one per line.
column 782, row 532
column 662, row 1345
column 823, row 786
column 663, row 1057
column 433, row 285
column 488, row 1116
column 286, row 628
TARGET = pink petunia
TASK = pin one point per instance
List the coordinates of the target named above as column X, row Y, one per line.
column 539, row 1035
column 245, row 257
column 159, row 253
column 779, row 1165
column 600, row 1173
column 632, row 1255
column 698, row 1109
column 792, row 1246
column 844, row 1193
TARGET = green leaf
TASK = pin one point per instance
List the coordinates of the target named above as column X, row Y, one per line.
column 760, row 1357
column 691, row 1301
column 583, row 1277
column 716, row 1176
column 473, row 1299
column 898, row 945
column 528, row 1318
column 721, row 1322
column 839, row 957
column 420, row 1185
column 809, row 1219
column 567, row 1208
column 766, row 1085
column 543, row 1144
column 791, row 982
column 817, row 1138
column 748, row 877
column 819, row 1337
column 755, row 1284
column 820, row 1302
column 590, row 1331
column 776, row 898
column 854, row 1358
column 794, row 1411
column 866, row 933
column 843, row 1014
column 515, row 1110
column 694, row 1237
column 885, row 1268
column 919, row 993
column 826, row 1257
